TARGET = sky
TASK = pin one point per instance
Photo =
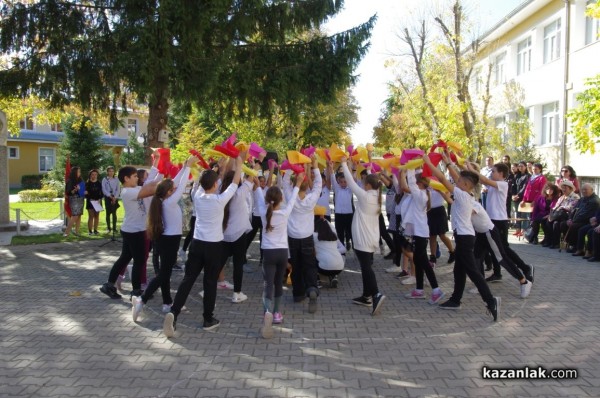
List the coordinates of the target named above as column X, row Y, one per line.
column 392, row 16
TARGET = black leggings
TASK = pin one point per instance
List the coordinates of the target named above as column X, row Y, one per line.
column 422, row 265
column 237, row 249
column 167, row 245
column 465, row 265
column 274, row 266
column 134, row 247
column 190, row 234
column 365, row 259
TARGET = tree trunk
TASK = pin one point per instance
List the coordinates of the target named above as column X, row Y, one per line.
column 157, row 121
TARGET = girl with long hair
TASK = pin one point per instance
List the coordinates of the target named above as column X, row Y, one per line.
column 93, row 192
column 75, row 192
column 164, row 227
column 275, row 248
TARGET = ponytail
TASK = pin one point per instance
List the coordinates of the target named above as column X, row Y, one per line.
column 273, row 197
column 268, row 217
column 155, row 223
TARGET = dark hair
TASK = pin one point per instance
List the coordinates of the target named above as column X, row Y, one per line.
column 73, row 175
column 273, row 197
column 572, row 173
column 425, row 182
column 208, row 179
column 522, row 162
column 374, row 182
column 110, row 168
column 502, row 168
column 340, row 175
column 126, row 171
column 323, row 230
column 363, row 172
column 141, row 176
column 90, row 173
column 506, row 156
column 555, row 190
column 155, row 223
column 539, row 166
column 470, row 176
column 227, row 180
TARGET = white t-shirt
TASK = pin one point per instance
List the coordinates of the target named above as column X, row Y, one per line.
column 209, row 213
column 342, row 196
column 239, row 213
column 435, row 198
column 171, row 212
column 301, row 223
column 329, row 254
column 496, row 201
column 480, row 219
column 414, row 221
column 324, row 200
column 461, row 212
column 135, row 210
column 277, row 238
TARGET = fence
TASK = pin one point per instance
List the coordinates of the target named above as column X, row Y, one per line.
column 22, row 215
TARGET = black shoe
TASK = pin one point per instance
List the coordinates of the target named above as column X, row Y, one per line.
column 494, row 308
column 362, row 300
column 378, row 300
column 348, row 246
column 489, row 267
column 593, row 259
column 494, row 278
column 333, row 282
column 450, row 305
column 578, row 253
column 545, row 244
column 110, row 291
column 312, row 301
column 531, row 272
column 402, row 275
column 451, row 258
column 389, row 256
column 212, row 324
column 570, row 249
column 96, row 232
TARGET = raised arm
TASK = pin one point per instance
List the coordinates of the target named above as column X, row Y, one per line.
column 358, row 191
column 483, row 179
column 438, row 173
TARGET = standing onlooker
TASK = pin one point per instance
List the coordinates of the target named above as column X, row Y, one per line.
column 343, row 207
column 535, row 187
column 510, row 179
column 518, row 191
column 75, row 191
column 486, row 171
column 111, row 188
column 93, row 192
column 568, row 173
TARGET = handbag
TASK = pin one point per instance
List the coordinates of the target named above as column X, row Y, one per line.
column 529, row 234
column 558, row 215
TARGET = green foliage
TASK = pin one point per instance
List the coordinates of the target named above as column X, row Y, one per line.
column 585, row 118
column 31, row 181
column 134, row 153
column 37, row 195
column 246, row 58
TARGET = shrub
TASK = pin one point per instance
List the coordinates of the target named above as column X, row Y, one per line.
column 37, row 195
column 48, row 183
column 32, row 181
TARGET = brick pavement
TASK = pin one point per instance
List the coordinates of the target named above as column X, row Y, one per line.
column 56, row 344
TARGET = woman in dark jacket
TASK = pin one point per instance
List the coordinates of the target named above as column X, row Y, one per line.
column 93, row 189
column 74, row 193
column 521, row 180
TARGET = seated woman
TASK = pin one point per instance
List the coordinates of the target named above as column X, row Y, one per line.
column 559, row 213
column 568, row 173
column 330, row 252
column 541, row 210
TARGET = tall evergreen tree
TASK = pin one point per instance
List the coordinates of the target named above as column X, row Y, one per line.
column 242, row 56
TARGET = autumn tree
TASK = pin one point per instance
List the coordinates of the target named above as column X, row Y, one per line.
column 244, row 57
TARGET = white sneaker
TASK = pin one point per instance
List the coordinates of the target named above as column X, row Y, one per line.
column 224, row 285
column 238, row 297
column 201, row 294
column 136, row 308
column 393, row 269
column 525, row 289
column 267, row 329
column 166, row 308
column 182, row 255
column 411, row 280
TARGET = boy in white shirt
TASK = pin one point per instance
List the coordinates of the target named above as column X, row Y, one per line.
column 207, row 247
column 464, row 236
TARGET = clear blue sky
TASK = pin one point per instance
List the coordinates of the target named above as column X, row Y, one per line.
column 394, row 15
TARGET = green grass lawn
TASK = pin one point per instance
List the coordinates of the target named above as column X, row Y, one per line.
column 44, row 211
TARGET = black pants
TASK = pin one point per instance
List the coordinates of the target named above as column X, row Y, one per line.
column 385, row 234
column 491, row 242
column 570, row 232
column 343, row 226
column 133, row 247
column 581, row 234
column 256, row 227
column 594, row 238
column 365, row 259
column 422, row 265
column 502, row 227
column 304, row 265
column 237, row 250
column 190, row 234
column 207, row 255
column 167, row 246
column 111, row 213
column 464, row 266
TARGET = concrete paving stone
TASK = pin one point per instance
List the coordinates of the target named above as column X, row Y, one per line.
column 279, row 383
column 241, row 393
column 271, row 393
column 318, row 383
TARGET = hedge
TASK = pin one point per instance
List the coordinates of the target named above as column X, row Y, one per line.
column 37, row 195
column 32, row 181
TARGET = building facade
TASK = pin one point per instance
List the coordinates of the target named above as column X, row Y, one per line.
column 34, row 150
column 547, row 48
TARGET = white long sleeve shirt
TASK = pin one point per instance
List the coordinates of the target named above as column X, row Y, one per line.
column 301, row 223
column 461, row 212
column 277, row 238
column 329, row 253
column 342, row 196
column 239, row 213
column 415, row 219
column 171, row 211
column 209, row 213
column 111, row 187
column 365, row 223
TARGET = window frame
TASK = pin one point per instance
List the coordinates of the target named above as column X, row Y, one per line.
column 18, row 153
column 500, row 68
column 135, row 128
column 524, row 56
column 26, row 122
column 552, row 41
column 550, row 124
column 40, row 158
column 592, row 26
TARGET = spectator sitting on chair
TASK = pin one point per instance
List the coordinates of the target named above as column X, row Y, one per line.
column 580, row 216
column 541, row 211
column 589, row 231
column 551, row 226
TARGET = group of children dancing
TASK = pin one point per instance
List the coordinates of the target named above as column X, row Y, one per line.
column 293, row 211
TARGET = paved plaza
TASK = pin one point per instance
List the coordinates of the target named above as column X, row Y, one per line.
column 61, row 337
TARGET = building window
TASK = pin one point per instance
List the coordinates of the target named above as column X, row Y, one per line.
column 477, row 83
column 592, row 27
column 13, row 152
column 47, row 159
column 56, row 127
column 524, row 56
column 552, row 41
column 26, row 124
column 550, row 119
column 500, row 78
column 500, row 123
column 132, row 126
